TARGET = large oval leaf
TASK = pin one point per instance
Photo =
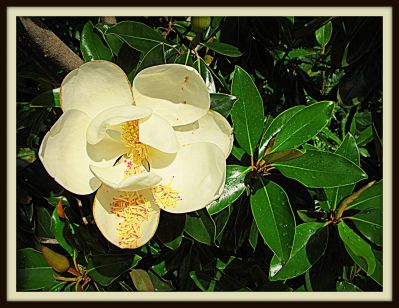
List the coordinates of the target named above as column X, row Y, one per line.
column 358, row 246
column 274, row 218
column 222, row 103
column 137, row 35
column 33, row 272
column 201, row 227
column 348, row 149
column 106, row 268
column 303, row 125
column 276, row 126
column 309, row 245
column 234, row 187
column 321, row 169
column 223, row 48
column 247, row 113
column 323, row 34
column 91, row 45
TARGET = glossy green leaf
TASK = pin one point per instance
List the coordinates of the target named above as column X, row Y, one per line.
column 323, row 34
column 274, row 218
column 282, row 156
column 106, row 268
column 365, row 136
column 222, row 103
column 344, row 286
column 276, row 126
column 159, row 284
column 200, row 226
column 33, row 272
column 234, row 187
column 369, row 199
column 303, row 125
column 247, row 113
column 171, row 237
column 57, row 228
column 309, row 245
column 155, row 56
column 137, row 35
column 223, row 49
column 47, row 99
column 206, row 74
column 91, row 45
column 300, row 52
column 237, row 152
column 221, row 220
column 141, row 280
column 358, row 246
column 113, row 41
column 321, row 169
column 348, row 149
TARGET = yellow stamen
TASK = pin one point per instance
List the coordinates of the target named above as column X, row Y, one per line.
column 165, row 196
column 137, row 152
column 135, row 209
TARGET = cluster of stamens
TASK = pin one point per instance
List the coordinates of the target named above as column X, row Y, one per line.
column 165, row 196
column 135, row 209
column 137, row 152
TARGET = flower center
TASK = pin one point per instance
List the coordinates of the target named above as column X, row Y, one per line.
column 135, row 209
column 137, row 152
column 165, row 196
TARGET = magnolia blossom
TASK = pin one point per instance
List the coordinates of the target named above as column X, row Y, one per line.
column 144, row 147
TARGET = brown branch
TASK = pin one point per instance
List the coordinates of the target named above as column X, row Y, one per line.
column 49, row 46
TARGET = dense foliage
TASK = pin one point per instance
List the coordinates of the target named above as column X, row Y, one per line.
column 302, row 205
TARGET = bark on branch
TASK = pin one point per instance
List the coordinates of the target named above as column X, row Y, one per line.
column 49, row 46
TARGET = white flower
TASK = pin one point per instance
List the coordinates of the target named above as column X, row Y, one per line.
column 154, row 145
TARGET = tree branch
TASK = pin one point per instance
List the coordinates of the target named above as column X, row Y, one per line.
column 49, row 46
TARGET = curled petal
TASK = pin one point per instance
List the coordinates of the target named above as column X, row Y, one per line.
column 127, row 220
column 157, row 132
column 173, row 91
column 111, row 117
column 212, row 127
column 191, row 178
column 64, row 155
column 118, row 177
column 94, row 87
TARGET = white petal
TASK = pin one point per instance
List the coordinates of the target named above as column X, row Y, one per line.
column 63, row 153
column 94, row 87
column 173, row 91
column 196, row 172
column 212, row 127
column 113, row 116
column 157, row 132
column 108, row 222
column 105, row 152
column 115, row 178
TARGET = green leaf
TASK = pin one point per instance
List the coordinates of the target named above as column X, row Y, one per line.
column 253, row 235
column 141, row 280
column 234, row 187
column 113, row 41
column 349, row 150
column 223, row 49
column 237, row 152
column 91, row 45
column 276, row 126
column 159, row 283
column 33, row 272
column 47, row 99
column 43, row 223
column 57, row 228
column 106, row 268
column 344, row 286
column 221, row 220
column 357, row 246
column 137, row 35
column 171, row 237
column 365, row 136
column 300, row 52
column 309, row 245
column 222, row 103
column 321, row 169
column 274, row 218
column 200, row 226
column 369, row 199
column 154, row 56
column 206, row 74
column 323, row 34
column 286, row 155
column 247, row 113
column 303, row 125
